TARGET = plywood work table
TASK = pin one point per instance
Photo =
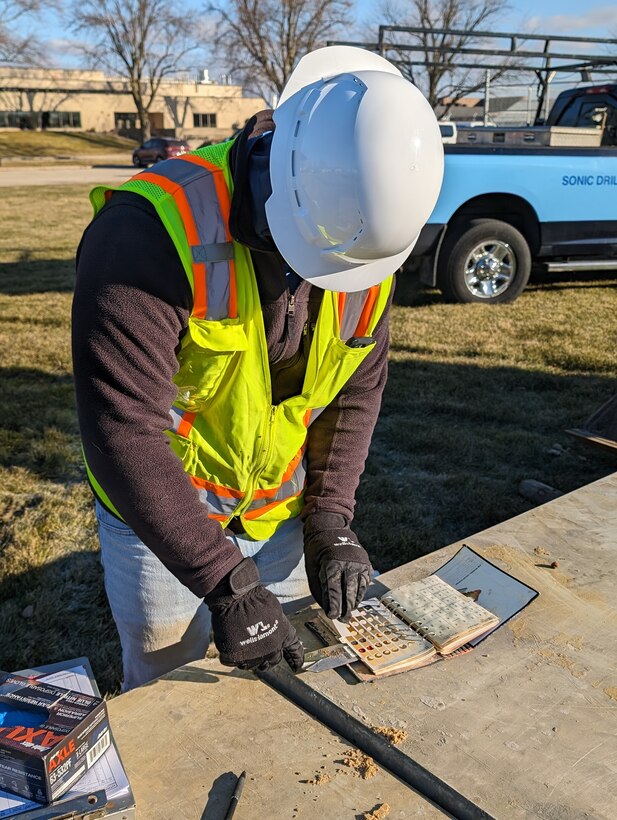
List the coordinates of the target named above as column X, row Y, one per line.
column 185, row 737
column 524, row 726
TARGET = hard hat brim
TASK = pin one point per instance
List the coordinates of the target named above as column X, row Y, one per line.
column 323, row 269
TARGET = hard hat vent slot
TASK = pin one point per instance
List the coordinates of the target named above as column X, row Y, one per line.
column 297, row 197
column 297, row 128
column 293, row 163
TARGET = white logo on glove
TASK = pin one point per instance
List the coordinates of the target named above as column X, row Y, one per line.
column 259, row 631
column 254, row 629
column 343, row 539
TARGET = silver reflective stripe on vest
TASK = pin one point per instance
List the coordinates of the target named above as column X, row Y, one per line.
column 181, row 172
column 176, row 418
column 354, row 303
column 214, row 249
column 217, row 504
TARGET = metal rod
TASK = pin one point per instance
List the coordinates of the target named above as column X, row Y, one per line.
column 388, row 756
column 505, row 69
column 497, row 34
column 496, row 52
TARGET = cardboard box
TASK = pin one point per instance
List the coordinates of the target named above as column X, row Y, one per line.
column 66, row 733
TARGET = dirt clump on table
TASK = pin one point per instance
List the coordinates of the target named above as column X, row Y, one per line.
column 392, row 735
column 377, row 813
column 320, row 779
column 360, row 764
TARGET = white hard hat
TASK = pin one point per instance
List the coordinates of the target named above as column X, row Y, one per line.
column 356, row 166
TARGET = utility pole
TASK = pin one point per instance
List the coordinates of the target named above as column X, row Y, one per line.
column 487, row 96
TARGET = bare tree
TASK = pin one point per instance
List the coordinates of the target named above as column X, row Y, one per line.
column 142, row 41
column 440, row 76
column 262, row 40
column 16, row 47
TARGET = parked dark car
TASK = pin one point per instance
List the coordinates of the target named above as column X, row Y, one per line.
column 158, row 149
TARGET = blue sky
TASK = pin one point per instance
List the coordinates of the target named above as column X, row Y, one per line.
column 597, row 19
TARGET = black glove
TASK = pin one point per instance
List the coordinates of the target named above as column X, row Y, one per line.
column 250, row 629
column 337, row 567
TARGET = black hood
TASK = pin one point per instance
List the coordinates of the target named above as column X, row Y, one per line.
column 249, row 161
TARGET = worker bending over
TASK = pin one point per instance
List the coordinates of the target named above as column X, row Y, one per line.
column 230, row 337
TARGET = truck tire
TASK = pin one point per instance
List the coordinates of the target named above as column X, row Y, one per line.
column 483, row 260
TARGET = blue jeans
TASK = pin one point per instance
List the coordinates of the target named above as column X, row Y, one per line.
column 162, row 625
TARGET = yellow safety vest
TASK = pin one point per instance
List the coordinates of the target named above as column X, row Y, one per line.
column 244, row 455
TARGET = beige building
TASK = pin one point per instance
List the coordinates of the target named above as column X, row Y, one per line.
column 66, row 99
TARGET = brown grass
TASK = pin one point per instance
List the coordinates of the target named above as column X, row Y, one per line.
column 26, row 144
column 475, row 399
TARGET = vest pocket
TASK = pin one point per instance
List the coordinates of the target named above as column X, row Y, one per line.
column 337, row 366
column 208, row 349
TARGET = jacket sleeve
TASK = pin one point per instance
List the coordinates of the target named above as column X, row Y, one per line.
column 339, row 439
column 131, row 305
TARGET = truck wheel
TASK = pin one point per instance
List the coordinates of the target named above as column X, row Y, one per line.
column 483, row 260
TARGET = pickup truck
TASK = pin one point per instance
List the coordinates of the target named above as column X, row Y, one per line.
column 503, row 209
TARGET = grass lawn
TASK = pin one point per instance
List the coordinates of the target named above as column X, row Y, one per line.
column 475, row 400
column 60, row 143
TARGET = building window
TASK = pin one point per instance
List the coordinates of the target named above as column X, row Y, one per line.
column 204, row 120
column 125, row 121
column 16, row 119
column 61, row 119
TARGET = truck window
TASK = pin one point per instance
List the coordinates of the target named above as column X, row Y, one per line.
column 592, row 115
column 598, row 112
column 570, row 116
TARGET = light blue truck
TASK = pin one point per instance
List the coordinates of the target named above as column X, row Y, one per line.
column 505, row 209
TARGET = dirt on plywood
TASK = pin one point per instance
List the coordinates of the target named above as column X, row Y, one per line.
column 611, row 691
column 378, row 812
column 320, row 779
column 392, row 735
column 361, row 765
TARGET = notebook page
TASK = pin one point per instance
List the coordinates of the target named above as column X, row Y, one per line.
column 438, row 611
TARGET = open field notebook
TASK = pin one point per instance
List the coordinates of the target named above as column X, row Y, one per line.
column 422, row 621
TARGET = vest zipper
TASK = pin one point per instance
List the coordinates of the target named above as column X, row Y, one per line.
column 291, row 305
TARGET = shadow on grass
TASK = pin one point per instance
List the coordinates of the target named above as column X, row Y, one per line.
column 59, row 611
column 48, row 142
column 97, row 140
column 38, row 424
column 541, row 280
column 27, row 276
column 410, row 292
column 452, row 444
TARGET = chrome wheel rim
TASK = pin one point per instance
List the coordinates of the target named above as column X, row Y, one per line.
column 490, row 269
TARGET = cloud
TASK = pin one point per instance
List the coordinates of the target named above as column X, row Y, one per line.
column 598, row 17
